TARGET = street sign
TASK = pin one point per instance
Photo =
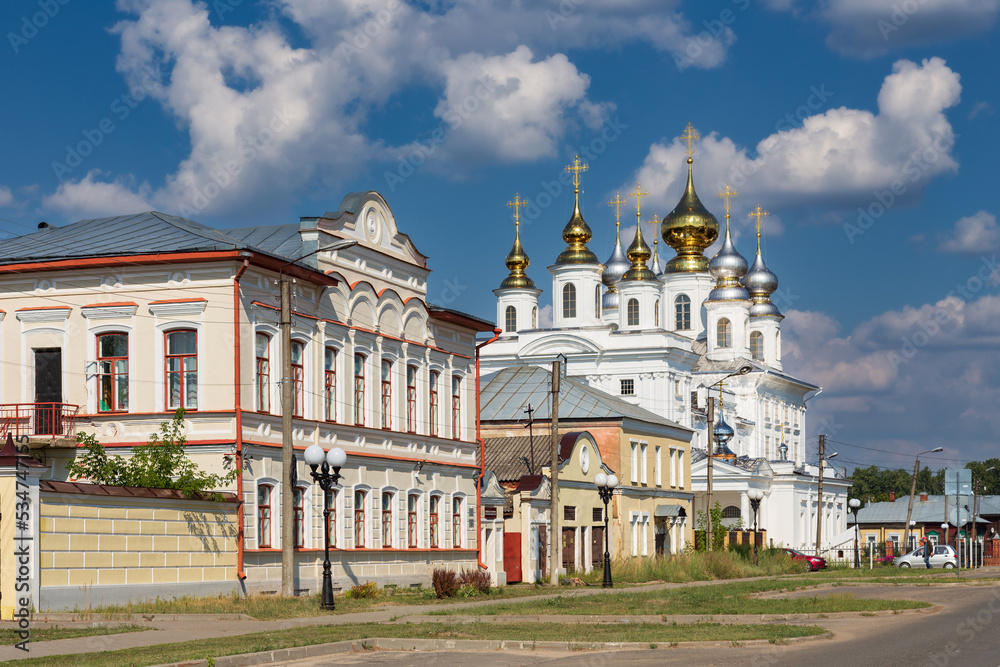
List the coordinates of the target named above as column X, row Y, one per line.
column 957, row 481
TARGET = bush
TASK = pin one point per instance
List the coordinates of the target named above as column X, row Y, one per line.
column 445, row 583
column 478, row 579
column 369, row 589
column 744, row 551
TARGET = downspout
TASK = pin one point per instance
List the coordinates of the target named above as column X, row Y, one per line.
column 238, row 398
column 482, row 460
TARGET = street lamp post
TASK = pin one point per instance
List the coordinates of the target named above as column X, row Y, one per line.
column 854, row 504
column 913, row 490
column 325, row 461
column 755, row 496
column 605, row 487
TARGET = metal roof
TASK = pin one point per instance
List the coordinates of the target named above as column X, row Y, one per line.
column 504, row 456
column 507, row 392
column 930, row 511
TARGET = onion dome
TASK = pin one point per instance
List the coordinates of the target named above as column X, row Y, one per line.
column 517, row 260
column 761, row 281
column 617, row 264
column 690, row 228
column 638, row 253
column 723, row 433
column 576, row 233
column 655, row 268
column 783, row 451
column 728, row 267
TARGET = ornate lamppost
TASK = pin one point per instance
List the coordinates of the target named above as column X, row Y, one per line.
column 755, row 496
column 325, row 461
column 605, row 487
column 853, row 505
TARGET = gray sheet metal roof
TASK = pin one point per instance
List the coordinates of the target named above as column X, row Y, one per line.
column 930, row 511
column 503, row 456
column 142, row 233
column 507, row 392
column 667, row 510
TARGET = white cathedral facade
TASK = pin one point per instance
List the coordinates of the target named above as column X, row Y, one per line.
column 663, row 339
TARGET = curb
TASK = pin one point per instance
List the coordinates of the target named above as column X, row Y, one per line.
column 393, row 644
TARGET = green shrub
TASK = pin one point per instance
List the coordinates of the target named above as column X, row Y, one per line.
column 369, row 589
column 744, row 551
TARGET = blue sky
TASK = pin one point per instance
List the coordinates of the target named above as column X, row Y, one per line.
column 867, row 128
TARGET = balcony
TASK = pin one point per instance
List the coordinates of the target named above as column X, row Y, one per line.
column 54, row 420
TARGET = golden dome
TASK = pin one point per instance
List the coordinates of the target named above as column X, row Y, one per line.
column 638, row 253
column 517, row 260
column 577, row 233
column 689, row 230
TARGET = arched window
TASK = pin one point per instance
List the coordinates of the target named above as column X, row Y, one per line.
column 411, row 399
column 456, row 522
column 298, row 525
column 456, row 407
column 387, row 519
column 633, row 312
column 386, row 394
column 569, row 301
column 656, row 313
column 731, row 512
column 360, row 497
column 331, row 521
column 682, row 312
column 359, row 389
column 263, row 345
column 724, row 333
column 181, row 370
column 434, row 515
column 432, row 401
column 330, row 383
column 757, row 345
column 510, row 319
column 597, row 300
column 263, row 516
column 297, row 377
column 112, row 372
column 534, row 317
column 412, row 527
column 777, row 346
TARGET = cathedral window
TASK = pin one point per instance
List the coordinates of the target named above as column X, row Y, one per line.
column 569, row 301
column 534, row 317
column 757, row 345
column 633, row 312
column 597, row 300
column 731, row 512
column 656, row 313
column 724, row 333
column 510, row 319
column 682, row 312
column 628, row 387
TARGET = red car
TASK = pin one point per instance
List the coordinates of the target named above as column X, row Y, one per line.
column 814, row 562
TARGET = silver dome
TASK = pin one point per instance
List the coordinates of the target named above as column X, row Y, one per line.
column 765, row 309
column 610, row 300
column 616, row 266
column 761, row 283
column 655, row 268
column 729, row 293
column 728, row 262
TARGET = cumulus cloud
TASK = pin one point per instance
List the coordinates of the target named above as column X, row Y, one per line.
column 545, row 316
column 837, row 158
column 6, row 197
column 93, row 197
column 974, row 235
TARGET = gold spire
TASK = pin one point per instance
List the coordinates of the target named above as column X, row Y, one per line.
column 727, row 194
column 759, row 214
column 690, row 228
column 517, row 260
column 576, row 233
column 638, row 253
column 617, row 203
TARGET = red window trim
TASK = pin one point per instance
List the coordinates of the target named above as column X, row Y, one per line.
column 330, row 387
column 113, row 373
column 264, row 536
column 167, row 372
column 264, row 373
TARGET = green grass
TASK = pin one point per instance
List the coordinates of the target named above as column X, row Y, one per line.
column 583, row 635
column 697, row 566
column 733, row 598
column 49, row 634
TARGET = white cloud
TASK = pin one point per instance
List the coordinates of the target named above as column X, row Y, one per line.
column 867, row 28
column 837, row 158
column 545, row 316
column 974, row 235
column 92, row 198
column 6, row 197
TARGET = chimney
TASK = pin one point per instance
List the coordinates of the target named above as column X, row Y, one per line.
column 892, row 496
column 923, row 496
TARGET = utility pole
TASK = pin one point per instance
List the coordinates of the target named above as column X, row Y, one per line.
column 531, row 437
column 909, row 506
column 711, row 447
column 287, row 460
column 555, row 539
column 819, row 495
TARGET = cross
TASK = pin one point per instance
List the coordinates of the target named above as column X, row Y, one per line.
column 758, row 213
column 690, row 136
column 516, row 205
column 617, row 203
column 655, row 221
column 638, row 194
column 727, row 194
column 576, row 168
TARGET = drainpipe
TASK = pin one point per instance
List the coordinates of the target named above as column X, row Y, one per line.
column 482, row 459
column 238, row 398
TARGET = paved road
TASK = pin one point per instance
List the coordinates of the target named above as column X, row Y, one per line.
column 965, row 632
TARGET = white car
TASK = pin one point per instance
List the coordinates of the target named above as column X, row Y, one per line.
column 943, row 556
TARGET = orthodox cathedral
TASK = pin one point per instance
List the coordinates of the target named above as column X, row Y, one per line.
column 667, row 338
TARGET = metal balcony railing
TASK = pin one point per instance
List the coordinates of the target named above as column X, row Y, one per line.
column 55, row 420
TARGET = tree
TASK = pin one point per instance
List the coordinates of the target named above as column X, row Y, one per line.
column 161, row 463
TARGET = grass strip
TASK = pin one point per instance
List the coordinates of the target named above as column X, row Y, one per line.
column 577, row 633
column 49, row 634
column 734, row 598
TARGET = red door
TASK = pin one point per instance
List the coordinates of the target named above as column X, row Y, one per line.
column 512, row 557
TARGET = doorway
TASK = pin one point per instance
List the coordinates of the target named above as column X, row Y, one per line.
column 48, row 390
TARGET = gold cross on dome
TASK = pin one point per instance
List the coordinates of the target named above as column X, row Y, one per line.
column 638, row 194
column 728, row 193
column 576, row 168
column 759, row 214
column 516, row 205
column 690, row 136
column 617, row 203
